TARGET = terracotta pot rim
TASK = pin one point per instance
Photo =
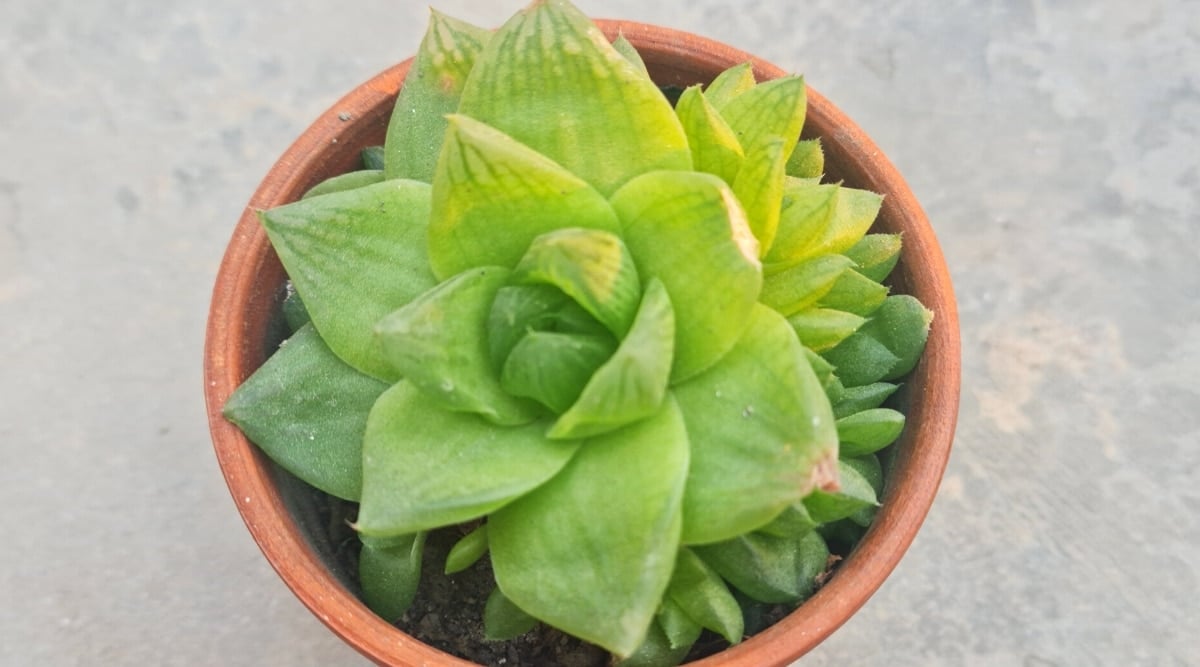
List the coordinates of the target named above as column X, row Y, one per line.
column 931, row 418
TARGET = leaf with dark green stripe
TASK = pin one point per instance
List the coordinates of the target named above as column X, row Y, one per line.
column 492, row 196
column 307, row 410
column 770, row 110
column 759, row 187
column 803, row 217
column 431, row 90
column 551, row 80
column 715, row 148
column 355, row 256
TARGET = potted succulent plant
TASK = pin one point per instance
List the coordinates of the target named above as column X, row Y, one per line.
column 634, row 352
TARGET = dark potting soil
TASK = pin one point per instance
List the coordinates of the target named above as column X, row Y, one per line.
column 447, row 612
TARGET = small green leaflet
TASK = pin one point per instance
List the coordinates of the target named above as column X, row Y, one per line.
column 389, row 569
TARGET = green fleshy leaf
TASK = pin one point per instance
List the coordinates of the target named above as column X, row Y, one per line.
column 632, row 384
column 807, row 160
column 759, row 187
column 860, row 360
column 829, row 380
column 822, row 328
column 628, row 52
column 389, row 569
column 439, row 343
column 551, row 80
column 661, row 648
column 354, row 257
column 754, row 452
column 855, row 493
column 901, row 324
column 293, row 309
column 865, row 397
column 853, row 213
column 729, row 84
column 467, row 551
column 677, row 627
column 715, row 148
column 493, row 196
column 803, row 218
column 591, row 266
column 503, row 620
column 553, row 368
column 793, row 521
column 870, row 468
column 343, row 182
column 591, row 551
column 700, row 592
column 519, row 309
column 853, row 293
column 307, row 410
column 876, row 255
column 431, row 90
column 770, row 110
column 373, row 157
column 869, row 431
column 425, row 467
column 803, row 285
column 689, row 231
column 767, row 568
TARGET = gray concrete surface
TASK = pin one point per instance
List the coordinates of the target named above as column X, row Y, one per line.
column 1054, row 145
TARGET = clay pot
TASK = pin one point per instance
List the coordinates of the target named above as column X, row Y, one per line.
column 243, row 328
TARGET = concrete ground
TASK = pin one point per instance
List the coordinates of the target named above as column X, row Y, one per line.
column 1055, row 146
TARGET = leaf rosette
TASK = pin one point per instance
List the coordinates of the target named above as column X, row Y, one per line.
column 587, row 318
